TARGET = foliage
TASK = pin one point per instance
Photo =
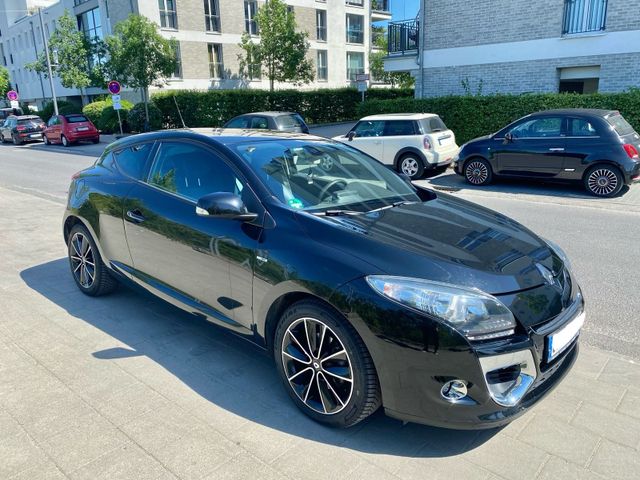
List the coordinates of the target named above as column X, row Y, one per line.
column 136, row 117
column 5, row 86
column 64, row 108
column 77, row 65
column 474, row 116
column 105, row 118
column 282, row 50
column 214, row 107
column 376, row 64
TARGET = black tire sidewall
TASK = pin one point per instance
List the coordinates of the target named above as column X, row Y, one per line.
column 418, row 175
column 486, row 164
column 65, row 141
column 95, row 287
column 352, row 412
column 615, row 171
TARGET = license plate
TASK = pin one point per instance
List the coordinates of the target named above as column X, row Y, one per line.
column 35, row 135
column 82, row 129
column 561, row 339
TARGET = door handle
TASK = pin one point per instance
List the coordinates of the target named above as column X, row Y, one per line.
column 559, row 149
column 136, row 216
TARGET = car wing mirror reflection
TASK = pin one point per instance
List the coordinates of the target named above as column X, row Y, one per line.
column 224, row 205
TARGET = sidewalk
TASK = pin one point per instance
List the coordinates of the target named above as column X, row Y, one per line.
column 126, row 386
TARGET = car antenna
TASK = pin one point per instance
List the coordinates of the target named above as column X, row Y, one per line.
column 179, row 113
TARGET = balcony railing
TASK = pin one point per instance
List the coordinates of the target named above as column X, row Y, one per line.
column 381, row 5
column 403, row 36
column 583, row 16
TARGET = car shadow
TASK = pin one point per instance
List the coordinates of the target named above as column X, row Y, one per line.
column 227, row 370
column 84, row 148
column 450, row 181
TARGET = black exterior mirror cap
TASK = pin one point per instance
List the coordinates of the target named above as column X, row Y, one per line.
column 224, row 205
column 351, row 135
column 508, row 137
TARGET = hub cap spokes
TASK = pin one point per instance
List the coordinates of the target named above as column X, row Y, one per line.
column 409, row 166
column 317, row 366
column 477, row 173
column 82, row 260
column 603, row 181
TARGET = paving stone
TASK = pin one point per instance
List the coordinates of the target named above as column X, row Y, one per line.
column 591, row 391
column 246, row 467
column 17, row 454
column 590, row 362
column 265, row 442
column 614, row 426
column 130, row 402
column 319, row 461
column 616, row 461
column 8, row 426
column 46, row 471
column 630, row 404
column 369, row 471
column 52, row 418
column 622, row 372
column 441, row 468
column 560, row 439
column 558, row 404
column 557, row 468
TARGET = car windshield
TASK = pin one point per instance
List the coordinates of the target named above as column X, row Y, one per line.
column 318, row 176
column 619, row 124
column 76, row 118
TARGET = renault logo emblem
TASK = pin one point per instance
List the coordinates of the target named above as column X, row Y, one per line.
column 546, row 274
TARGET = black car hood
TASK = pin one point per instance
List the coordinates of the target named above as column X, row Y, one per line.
column 446, row 239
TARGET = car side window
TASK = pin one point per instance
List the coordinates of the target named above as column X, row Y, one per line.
column 579, row 127
column 396, row 128
column 539, row 128
column 52, row 121
column 241, row 122
column 132, row 160
column 369, row 128
column 192, row 171
column 259, row 123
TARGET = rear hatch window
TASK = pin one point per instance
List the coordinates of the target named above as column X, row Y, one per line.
column 433, row 125
column 76, row 118
column 619, row 124
column 290, row 122
column 30, row 123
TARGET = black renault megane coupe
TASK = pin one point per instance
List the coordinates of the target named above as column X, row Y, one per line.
column 367, row 290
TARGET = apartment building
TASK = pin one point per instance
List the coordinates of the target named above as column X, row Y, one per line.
column 208, row 33
column 519, row 46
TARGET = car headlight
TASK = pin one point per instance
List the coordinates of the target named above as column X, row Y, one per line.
column 477, row 315
column 560, row 253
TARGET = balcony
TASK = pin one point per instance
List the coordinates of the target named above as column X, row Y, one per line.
column 380, row 10
column 403, row 41
column 584, row 16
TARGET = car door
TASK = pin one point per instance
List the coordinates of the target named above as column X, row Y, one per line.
column 4, row 129
column 536, row 148
column 204, row 263
column 584, row 138
column 367, row 137
column 398, row 134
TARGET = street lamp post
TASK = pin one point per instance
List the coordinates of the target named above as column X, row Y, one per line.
column 35, row 47
column 46, row 50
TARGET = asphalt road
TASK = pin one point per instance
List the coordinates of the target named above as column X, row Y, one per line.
column 601, row 237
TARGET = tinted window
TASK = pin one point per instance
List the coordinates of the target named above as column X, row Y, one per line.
column 369, row 128
column 394, row 128
column 579, row 127
column 290, row 121
column 539, row 128
column 132, row 160
column 106, row 161
column 433, row 125
column 240, row 122
column 619, row 124
column 192, row 171
column 76, row 118
column 29, row 121
column 259, row 123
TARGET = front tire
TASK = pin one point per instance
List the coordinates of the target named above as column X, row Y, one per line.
column 88, row 270
column 412, row 166
column 64, row 140
column 45, row 139
column 477, row 171
column 325, row 366
column 603, row 181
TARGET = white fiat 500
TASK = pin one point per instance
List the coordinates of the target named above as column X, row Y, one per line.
column 411, row 142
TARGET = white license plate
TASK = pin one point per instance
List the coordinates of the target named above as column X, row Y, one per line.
column 35, row 135
column 559, row 340
column 82, row 129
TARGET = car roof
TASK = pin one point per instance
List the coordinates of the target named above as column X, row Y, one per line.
column 267, row 114
column 25, row 117
column 596, row 112
column 400, row 116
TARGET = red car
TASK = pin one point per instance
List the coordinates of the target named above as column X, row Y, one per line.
column 70, row 128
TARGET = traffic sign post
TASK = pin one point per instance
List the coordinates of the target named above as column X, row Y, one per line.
column 13, row 96
column 362, row 79
column 114, row 89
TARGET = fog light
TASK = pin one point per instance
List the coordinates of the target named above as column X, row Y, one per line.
column 454, row 390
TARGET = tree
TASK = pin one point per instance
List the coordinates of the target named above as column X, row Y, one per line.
column 73, row 54
column 139, row 56
column 281, row 54
column 376, row 63
column 5, row 86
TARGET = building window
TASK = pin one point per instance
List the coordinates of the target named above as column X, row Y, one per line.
column 321, row 25
column 322, row 70
column 355, row 65
column 216, row 66
column 355, row 28
column 212, row 15
column 250, row 12
column 177, row 73
column 583, row 16
column 168, row 17
column 90, row 24
column 355, row 3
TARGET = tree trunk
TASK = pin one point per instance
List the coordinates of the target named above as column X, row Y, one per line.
column 83, row 97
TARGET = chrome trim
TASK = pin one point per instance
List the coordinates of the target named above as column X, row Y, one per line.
column 508, row 394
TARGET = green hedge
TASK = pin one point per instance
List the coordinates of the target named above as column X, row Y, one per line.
column 137, row 117
column 105, row 118
column 474, row 116
column 64, row 108
column 214, row 107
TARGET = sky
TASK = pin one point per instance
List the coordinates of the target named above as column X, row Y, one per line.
column 404, row 9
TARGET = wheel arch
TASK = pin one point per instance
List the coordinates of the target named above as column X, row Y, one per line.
column 600, row 163
column 71, row 221
column 409, row 150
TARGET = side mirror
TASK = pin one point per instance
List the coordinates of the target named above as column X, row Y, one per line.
column 508, row 138
column 224, row 205
column 351, row 135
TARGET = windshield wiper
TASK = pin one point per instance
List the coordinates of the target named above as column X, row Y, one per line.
column 393, row 205
column 337, row 213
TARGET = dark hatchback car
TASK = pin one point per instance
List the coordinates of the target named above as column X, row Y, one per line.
column 288, row 122
column 366, row 290
column 596, row 147
column 21, row 129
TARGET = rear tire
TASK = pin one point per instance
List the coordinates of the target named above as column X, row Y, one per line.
column 45, row 139
column 477, row 171
column 325, row 366
column 603, row 181
column 89, row 272
column 95, row 140
column 411, row 165
column 16, row 140
column 64, row 141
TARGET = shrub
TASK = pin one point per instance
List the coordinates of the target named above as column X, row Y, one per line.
column 213, row 108
column 473, row 116
column 64, row 108
column 136, row 117
column 105, row 118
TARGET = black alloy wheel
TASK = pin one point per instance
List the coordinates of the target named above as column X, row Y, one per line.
column 89, row 273
column 325, row 365
column 477, row 171
column 603, row 181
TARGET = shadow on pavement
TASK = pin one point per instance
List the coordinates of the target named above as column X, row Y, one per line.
column 228, row 371
column 453, row 182
column 85, row 149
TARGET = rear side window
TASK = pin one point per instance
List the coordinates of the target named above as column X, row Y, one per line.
column 396, row 128
column 260, row 123
column 579, row 127
column 289, row 121
column 240, row 122
column 76, row 118
column 132, row 160
column 619, row 124
column 433, row 125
